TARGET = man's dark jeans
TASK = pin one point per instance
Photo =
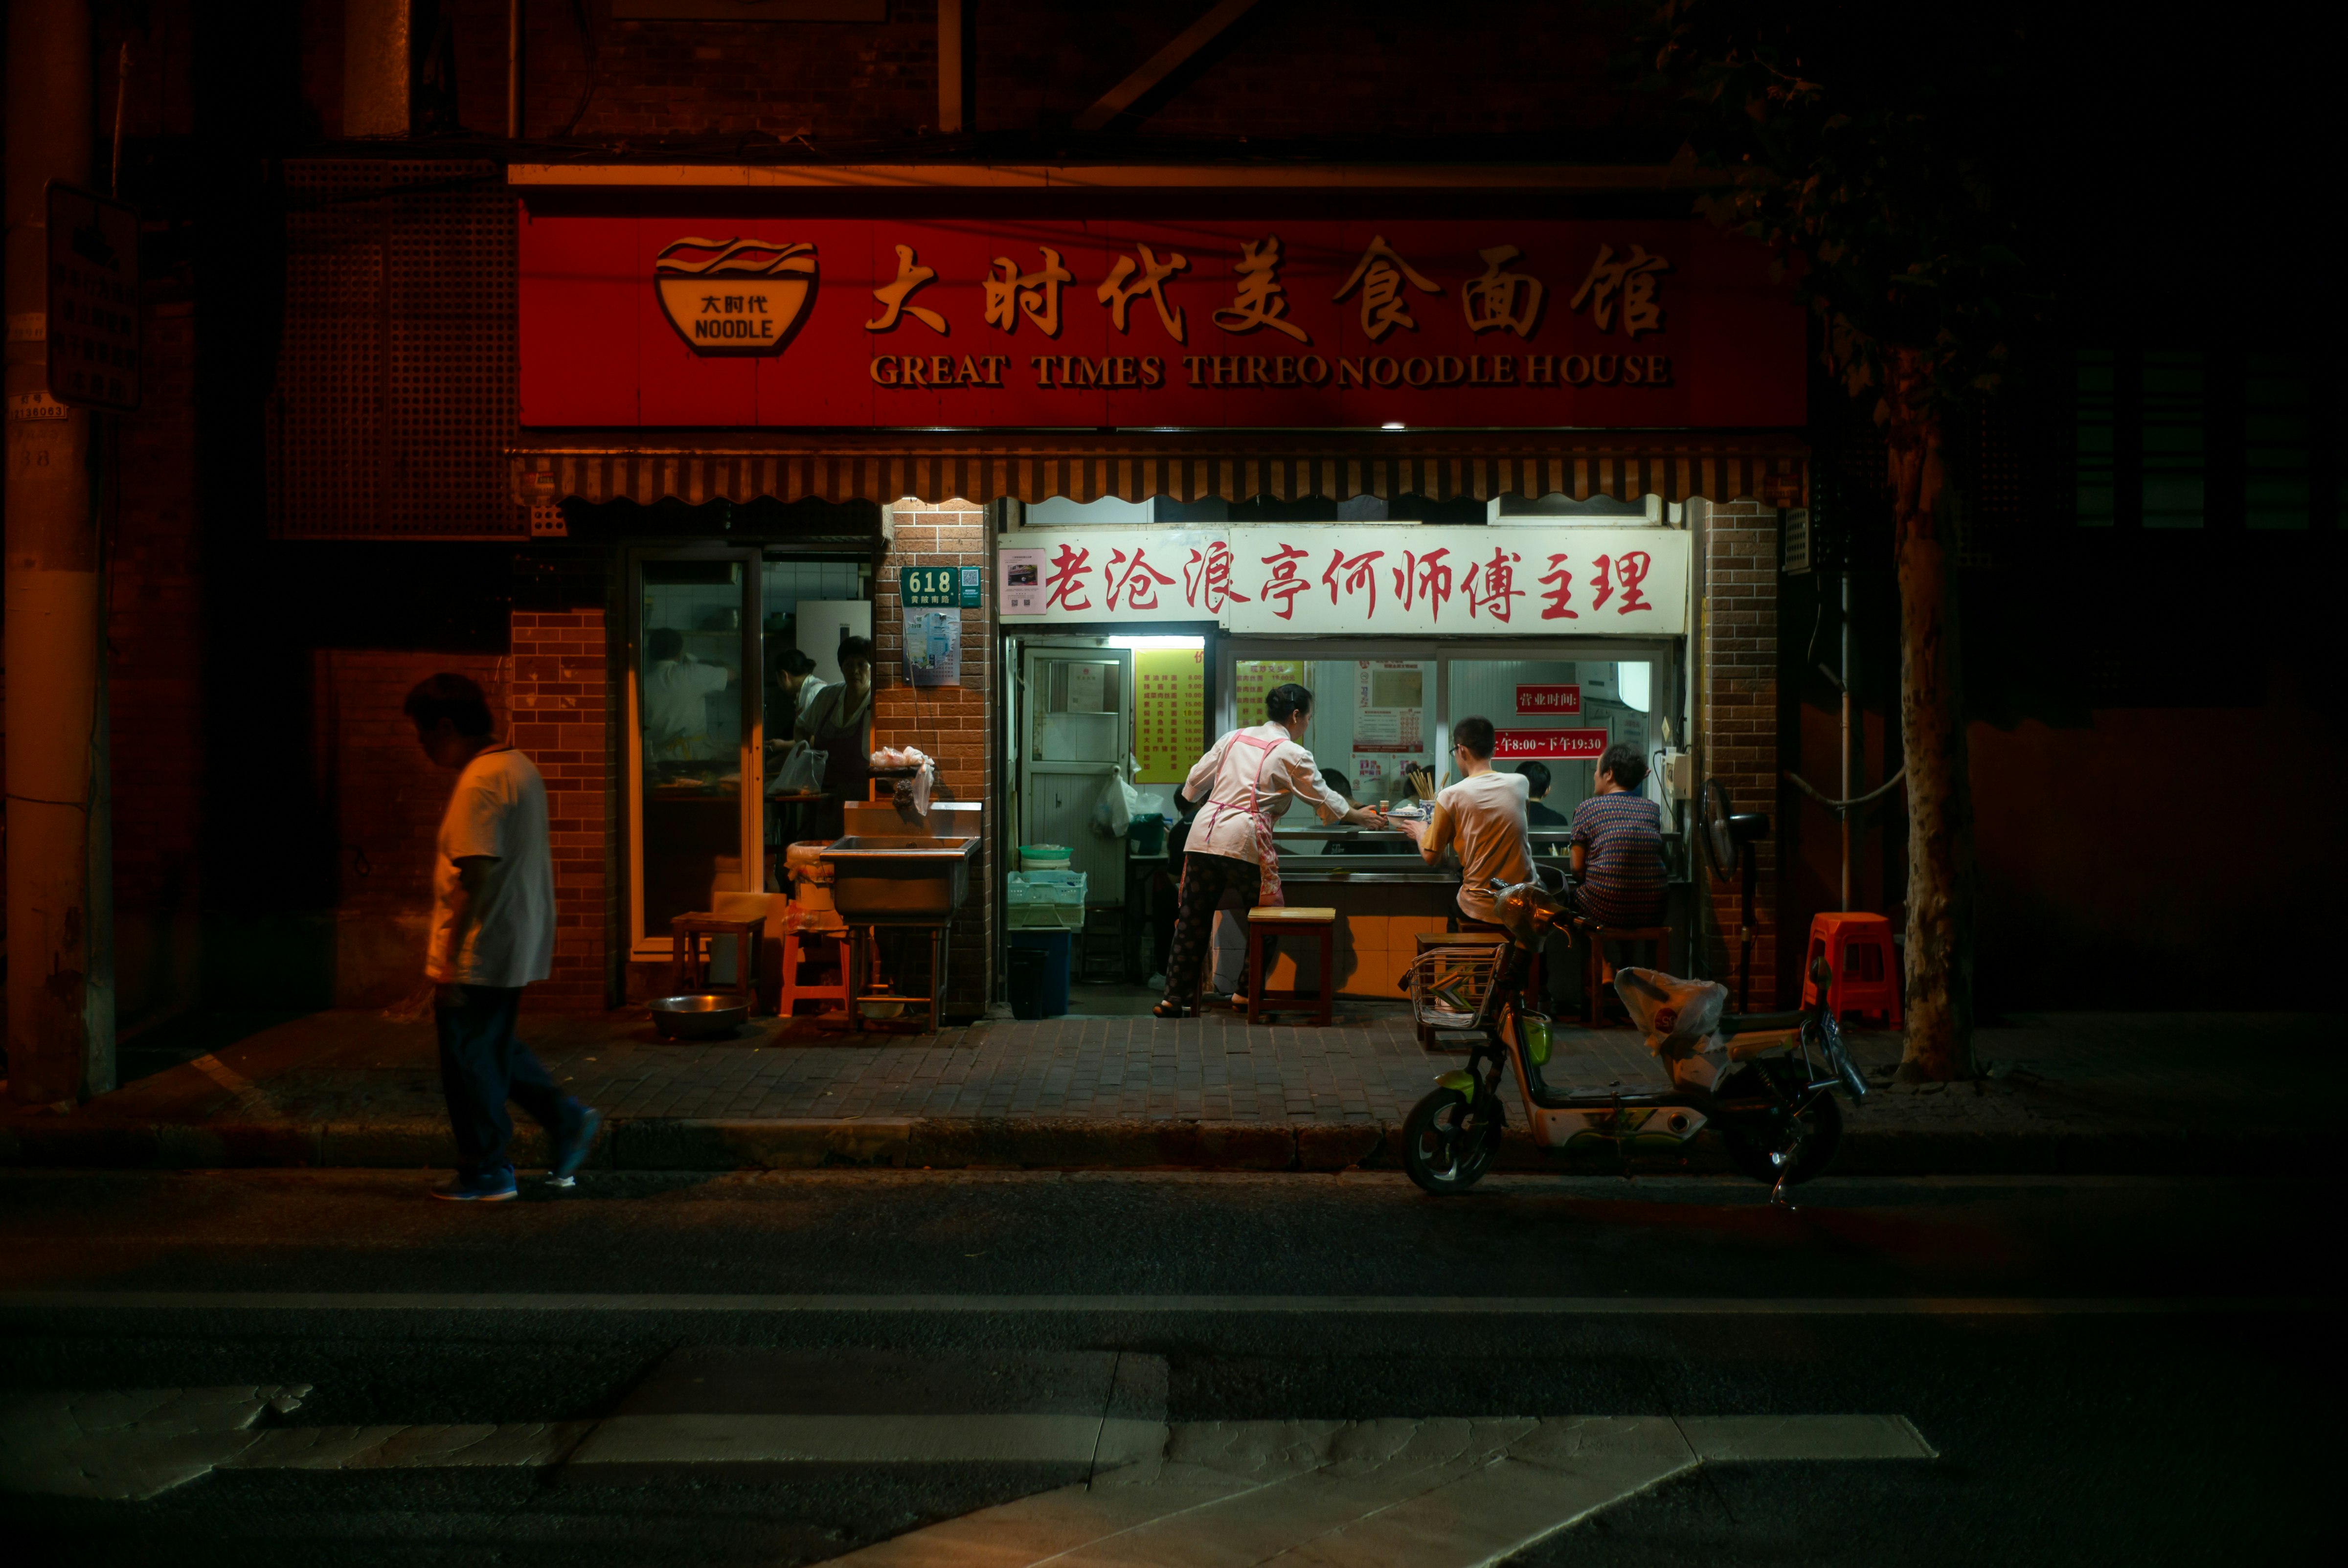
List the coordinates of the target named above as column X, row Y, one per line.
column 482, row 1066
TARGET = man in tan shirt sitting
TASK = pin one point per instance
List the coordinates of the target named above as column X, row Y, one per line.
column 1483, row 817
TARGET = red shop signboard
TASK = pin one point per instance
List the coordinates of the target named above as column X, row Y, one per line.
column 847, row 323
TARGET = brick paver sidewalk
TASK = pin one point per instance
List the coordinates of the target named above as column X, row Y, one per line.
column 2058, row 1078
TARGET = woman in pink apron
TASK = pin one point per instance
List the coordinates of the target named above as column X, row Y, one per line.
column 1248, row 778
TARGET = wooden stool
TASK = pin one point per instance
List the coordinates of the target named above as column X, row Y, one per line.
column 687, row 975
column 793, row 993
column 1601, row 973
column 1858, row 949
column 1268, row 920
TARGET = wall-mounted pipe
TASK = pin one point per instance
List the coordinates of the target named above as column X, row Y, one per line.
column 513, row 70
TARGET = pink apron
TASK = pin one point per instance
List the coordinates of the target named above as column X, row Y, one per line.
column 1269, row 895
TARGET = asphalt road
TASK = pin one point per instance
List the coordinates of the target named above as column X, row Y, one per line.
column 2097, row 1370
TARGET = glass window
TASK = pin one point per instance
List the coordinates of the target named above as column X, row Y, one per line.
column 2095, row 451
column 695, row 638
column 1553, row 719
column 1372, row 718
column 2175, row 407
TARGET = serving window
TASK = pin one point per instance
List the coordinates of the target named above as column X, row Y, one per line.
column 1375, row 718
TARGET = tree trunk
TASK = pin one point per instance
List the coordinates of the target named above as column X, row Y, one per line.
column 1939, row 978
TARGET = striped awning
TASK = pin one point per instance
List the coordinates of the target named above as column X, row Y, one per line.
column 1183, row 466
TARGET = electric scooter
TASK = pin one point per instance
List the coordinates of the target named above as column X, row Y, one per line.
column 1774, row 1106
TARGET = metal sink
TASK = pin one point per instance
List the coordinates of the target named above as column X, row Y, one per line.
column 902, row 879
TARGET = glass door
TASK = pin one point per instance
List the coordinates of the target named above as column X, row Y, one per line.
column 695, row 737
column 1077, row 705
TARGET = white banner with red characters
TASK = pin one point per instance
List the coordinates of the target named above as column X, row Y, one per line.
column 1398, row 579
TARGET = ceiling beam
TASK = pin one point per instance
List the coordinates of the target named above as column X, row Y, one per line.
column 1585, row 176
column 1161, row 65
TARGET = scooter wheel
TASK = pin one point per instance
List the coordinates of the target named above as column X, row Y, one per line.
column 1449, row 1141
column 1765, row 1147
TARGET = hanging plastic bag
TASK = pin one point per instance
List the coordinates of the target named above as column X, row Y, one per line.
column 802, row 772
column 1112, row 811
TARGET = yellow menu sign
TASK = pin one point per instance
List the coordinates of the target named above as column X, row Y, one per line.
column 1169, row 724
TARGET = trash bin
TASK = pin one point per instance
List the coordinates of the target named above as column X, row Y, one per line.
column 1027, row 970
column 1058, row 947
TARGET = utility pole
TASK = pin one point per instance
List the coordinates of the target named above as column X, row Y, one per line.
column 60, row 898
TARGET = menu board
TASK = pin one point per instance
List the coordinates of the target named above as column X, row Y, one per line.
column 1256, row 677
column 1390, row 705
column 1170, row 722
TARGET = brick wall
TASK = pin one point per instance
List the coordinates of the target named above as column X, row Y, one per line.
column 154, row 691
column 560, row 694
column 949, row 722
column 1377, row 69
column 387, row 799
column 1737, row 709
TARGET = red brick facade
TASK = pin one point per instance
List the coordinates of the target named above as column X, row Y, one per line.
column 560, row 696
column 1737, row 717
column 949, row 723
column 386, row 798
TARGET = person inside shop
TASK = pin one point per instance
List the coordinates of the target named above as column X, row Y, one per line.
column 838, row 724
column 1339, row 787
column 677, row 688
column 1166, row 889
column 1617, row 850
column 1245, row 782
column 796, row 688
column 1482, row 817
column 1537, row 782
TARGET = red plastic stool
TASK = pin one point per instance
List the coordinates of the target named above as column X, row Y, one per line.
column 1858, row 949
column 795, row 992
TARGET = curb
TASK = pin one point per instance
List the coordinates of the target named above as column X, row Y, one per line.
column 665, row 1143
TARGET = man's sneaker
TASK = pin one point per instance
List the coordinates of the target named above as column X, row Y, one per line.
column 491, row 1187
column 571, row 1148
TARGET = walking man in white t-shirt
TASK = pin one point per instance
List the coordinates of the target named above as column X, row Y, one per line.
column 1483, row 816
column 492, row 934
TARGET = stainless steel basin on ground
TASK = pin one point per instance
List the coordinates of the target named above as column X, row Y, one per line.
column 900, row 878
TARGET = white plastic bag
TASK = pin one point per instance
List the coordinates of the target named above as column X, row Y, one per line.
column 802, row 771
column 1681, row 1019
column 1112, row 810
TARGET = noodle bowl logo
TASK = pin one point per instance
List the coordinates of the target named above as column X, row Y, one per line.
column 735, row 296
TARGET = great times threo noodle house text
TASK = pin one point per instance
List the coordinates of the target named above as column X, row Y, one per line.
column 1318, row 323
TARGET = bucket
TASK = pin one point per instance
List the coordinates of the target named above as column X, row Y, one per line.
column 1148, row 835
column 1055, row 949
column 1027, row 974
column 1044, row 856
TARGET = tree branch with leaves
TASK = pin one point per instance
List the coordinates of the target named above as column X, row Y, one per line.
column 1861, row 149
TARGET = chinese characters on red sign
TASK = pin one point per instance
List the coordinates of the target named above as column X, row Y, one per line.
column 1548, row 745
column 1533, row 700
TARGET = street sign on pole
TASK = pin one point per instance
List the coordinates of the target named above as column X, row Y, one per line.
column 93, row 294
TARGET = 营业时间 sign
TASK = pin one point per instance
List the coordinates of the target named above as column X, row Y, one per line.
column 1400, row 578
column 717, row 321
column 1532, row 700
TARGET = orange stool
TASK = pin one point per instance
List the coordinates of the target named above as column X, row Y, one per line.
column 1321, row 924
column 1858, row 949
column 793, row 993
